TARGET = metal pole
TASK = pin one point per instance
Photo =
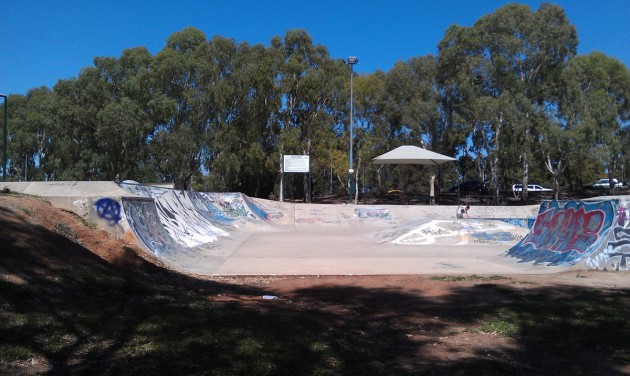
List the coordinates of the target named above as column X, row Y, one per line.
column 350, row 170
column 281, row 177
column 351, row 61
column 6, row 131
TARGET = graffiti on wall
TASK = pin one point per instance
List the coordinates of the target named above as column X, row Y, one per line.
column 379, row 213
column 565, row 232
column 108, row 209
column 145, row 223
column 615, row 255
column 178, row 215
column 461, row 233
column 520, row 222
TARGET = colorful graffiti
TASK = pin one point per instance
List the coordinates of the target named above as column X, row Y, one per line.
column 615, row 255
column 145, row 223
column 565, row 232
column 177, row 214
column 108, row 209
column 477, row 231
column 520, row 222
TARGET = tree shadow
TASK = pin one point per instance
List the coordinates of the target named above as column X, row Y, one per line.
column 80, row 315
column 555, row 330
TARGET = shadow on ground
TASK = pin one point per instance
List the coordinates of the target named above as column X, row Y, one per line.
column 64, row 310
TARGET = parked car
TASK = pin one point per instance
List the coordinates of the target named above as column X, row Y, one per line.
column 605, row 184
column 470, row 186
column 531, row 188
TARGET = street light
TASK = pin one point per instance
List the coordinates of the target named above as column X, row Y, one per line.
column 352, row 60
column 6, row 131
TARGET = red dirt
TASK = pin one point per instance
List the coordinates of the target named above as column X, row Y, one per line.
column 437, row 317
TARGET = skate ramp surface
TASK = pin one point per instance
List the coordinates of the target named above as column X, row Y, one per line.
column 255, row 236
column 232, row 234
column 590, row 234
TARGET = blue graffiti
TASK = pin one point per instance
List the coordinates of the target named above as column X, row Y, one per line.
column 519, row 222
column 494, row 236
column 108, row 209
column 566, row 232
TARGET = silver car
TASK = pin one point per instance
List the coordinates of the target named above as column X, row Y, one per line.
column 605, row 184
column 531, row 188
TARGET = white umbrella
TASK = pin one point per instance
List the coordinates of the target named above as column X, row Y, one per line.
column 409, row 154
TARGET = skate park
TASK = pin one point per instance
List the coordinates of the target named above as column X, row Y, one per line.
column 224, row 234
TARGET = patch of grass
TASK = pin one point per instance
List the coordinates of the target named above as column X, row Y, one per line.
column 621, row 356
column 449, row 278
column 27, row 211
column 493, row 277
column 12, row 353
column 523, row 283
column 88, row 224
column 474, row 277
column 470, row 330
column 66, row 231
column 501, row 327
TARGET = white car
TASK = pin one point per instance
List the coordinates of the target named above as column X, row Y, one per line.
column 605, row 184
column 531, row 188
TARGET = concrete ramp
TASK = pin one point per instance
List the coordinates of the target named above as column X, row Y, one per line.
column 454, row 232
column 68, row 188
column 178, row 215
column 614, row 253
column 567, row 233
column 230, row 233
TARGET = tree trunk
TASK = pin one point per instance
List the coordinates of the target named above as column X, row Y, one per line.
column 525, row 180
column 432, row 189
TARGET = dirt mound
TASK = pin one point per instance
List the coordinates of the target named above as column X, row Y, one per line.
column 36, row 233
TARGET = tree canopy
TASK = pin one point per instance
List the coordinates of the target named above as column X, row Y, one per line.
column 508, row 96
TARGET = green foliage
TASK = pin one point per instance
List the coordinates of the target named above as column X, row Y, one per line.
column 27, row 211
column 217, row 115
column 66, row 231
column 597, row 109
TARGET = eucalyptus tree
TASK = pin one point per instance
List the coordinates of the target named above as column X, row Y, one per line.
column 101, row 121
column 74, row 152
column 178, row 107
column 368, row 118
column 223, row 107
column 398, row 94
column 596, row 104
column 260, row 101
column 124, row 123
column 30, row 132
column 243, row 100
column 413, row 115
column 314, row 103
column 507, row 66
column 17, row 119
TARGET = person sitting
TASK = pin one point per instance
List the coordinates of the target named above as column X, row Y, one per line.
column 462, row 210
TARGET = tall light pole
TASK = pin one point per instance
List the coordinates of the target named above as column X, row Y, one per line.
column 6, row 131
column 352, row 60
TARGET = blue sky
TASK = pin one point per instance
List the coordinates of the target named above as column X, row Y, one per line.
column 44, row 41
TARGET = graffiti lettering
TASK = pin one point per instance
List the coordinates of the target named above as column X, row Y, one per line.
column 616, row 256
column 566, row 230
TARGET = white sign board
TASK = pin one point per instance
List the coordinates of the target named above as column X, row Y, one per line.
column 296, row 163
